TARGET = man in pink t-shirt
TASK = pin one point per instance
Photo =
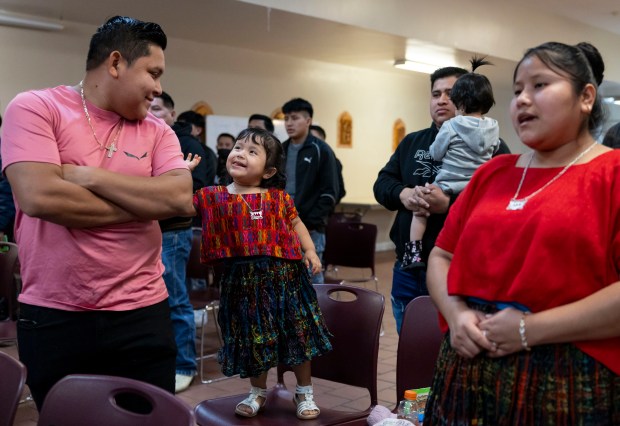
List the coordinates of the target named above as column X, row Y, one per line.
column 91, row 172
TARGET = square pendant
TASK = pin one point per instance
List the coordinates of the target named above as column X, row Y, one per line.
column 256, row 215
column 516, row 204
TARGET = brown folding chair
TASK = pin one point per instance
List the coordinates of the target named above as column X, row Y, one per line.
column 8, row 291
column 353, row 316
column 339, row 217
column 350, row 244
column 98, row 400
column 13, row 377
column 207, row 300
column 418, row 346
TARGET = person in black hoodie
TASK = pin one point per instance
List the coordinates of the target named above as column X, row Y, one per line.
column 311, row 174
column 176, row 246
column 318, row 132
column 197, row 130
column 405, row 184
column 412, row 166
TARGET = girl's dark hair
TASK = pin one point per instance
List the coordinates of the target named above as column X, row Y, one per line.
column 131, row 37
column 582, row 64
column 275, row 155
column 472, row 92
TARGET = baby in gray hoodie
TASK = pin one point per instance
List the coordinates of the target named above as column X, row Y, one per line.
column 463, row 144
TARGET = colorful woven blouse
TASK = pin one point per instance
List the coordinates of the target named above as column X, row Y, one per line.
column 231, row 229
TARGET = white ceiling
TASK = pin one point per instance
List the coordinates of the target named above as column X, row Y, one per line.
column 602, row 14
column 248, row 26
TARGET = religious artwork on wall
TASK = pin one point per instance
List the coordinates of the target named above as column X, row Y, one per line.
column 345, row 130
column 277, row 114
column 398, row 133
column 202, row 108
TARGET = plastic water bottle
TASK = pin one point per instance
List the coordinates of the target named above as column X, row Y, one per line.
column 408, row 407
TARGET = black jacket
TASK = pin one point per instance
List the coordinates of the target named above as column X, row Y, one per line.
column 412, row 165
column 189, row 144
column 316, row 182
column 409, row 166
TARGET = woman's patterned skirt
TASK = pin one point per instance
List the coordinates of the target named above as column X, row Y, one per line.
column 550, row 385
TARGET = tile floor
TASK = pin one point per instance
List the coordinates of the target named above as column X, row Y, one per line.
column 327, row 394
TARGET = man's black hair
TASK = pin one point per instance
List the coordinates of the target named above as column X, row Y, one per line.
column 268, row 122
column 318, row 129
column 447, row 72
column 192, row 117
column 298, row 105
column 131, row 37
column 166, row 100
column 227, row 135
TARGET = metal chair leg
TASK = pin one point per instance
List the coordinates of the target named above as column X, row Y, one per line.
column 205, row 315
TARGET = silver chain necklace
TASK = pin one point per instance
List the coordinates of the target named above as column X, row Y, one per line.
column 112, row 147
column 254, row 214
column 518, row 203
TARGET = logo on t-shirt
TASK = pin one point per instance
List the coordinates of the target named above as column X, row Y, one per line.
column 129, row 154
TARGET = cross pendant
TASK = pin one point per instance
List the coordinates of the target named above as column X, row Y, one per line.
column 111, row 150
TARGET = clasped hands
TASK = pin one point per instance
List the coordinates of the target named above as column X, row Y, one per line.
column 473, row 332
column 425, row 200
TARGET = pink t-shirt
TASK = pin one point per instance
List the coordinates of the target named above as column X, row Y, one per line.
column 116, row 267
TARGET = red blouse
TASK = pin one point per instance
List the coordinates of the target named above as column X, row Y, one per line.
column 563, row 246
column 228, row 229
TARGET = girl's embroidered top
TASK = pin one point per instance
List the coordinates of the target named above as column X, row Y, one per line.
column 228, row 229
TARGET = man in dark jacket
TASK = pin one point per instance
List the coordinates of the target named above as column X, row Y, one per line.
column 197, row 130
column 311, row 175
column 412, row 166
column 176, row 245
column 319, row 132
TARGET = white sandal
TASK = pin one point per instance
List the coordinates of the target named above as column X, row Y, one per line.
column 251, row 402
column 306, row 404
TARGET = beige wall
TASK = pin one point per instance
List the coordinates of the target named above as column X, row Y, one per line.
column 239, row 82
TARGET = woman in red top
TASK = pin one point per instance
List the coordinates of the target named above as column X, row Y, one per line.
column 525, row 271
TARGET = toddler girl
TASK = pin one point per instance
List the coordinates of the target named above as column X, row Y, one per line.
column 269, row 312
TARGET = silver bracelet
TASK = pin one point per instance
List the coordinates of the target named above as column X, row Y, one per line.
column 522, row 332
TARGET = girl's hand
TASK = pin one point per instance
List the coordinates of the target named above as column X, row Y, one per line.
column 311, row 259
column 466, row 338
column 192, row 161
column 502, row 329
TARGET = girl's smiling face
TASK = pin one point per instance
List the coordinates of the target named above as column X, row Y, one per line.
column 246, row 162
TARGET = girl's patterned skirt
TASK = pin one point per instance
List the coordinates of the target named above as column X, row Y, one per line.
column 269, row 314
column 550, row 385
